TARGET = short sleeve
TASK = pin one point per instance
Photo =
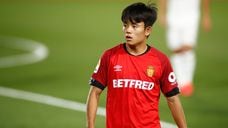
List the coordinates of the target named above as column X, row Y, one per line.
column 168, row 80
column 99, row 76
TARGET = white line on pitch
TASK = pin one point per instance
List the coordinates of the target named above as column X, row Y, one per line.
column 34, row 52
column 45, row 99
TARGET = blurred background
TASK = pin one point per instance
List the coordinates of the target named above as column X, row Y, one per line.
column 76, row 32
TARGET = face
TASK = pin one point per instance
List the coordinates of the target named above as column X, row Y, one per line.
column 135, row 33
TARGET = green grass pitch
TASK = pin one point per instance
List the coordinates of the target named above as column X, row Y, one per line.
column 76, row 33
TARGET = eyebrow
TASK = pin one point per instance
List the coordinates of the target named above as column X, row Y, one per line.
column 134, row 23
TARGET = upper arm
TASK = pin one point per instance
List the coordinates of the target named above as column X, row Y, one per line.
column 95, row 91
column 172, row 99
column 168, row 81
column 99, row 77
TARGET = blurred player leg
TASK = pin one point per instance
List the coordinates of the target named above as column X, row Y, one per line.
column 181, row 40
column 184, row 66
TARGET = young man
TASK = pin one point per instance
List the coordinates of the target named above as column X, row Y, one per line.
column 134, row 74
column 182, row 18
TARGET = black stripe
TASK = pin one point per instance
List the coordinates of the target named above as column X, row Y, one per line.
column 96, row 83
column 174, row 92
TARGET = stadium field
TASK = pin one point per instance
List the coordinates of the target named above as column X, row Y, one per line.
column 75, row 33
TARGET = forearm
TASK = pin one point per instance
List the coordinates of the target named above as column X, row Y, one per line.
column 177, row 111
column 162, row 12
column 91, row 111
column 92, row 103
column 206, row 7
column 206, row 18
column 162, row 6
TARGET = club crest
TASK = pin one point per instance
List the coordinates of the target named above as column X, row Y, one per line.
column 150, row 71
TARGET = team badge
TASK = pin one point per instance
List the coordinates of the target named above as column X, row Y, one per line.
column 150, row 71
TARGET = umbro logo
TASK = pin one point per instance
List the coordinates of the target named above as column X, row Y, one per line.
column 117, row 68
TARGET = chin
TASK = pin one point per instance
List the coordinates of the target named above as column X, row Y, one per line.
column 130, row 43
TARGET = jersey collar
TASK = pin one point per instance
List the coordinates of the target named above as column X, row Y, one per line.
column 125, row 49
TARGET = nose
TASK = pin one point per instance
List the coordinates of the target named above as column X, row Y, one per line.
column 127, row 29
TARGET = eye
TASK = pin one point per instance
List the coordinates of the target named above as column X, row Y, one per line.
column 134, row 25
column 124, row 25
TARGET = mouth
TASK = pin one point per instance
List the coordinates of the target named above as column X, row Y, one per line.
column 128, row 38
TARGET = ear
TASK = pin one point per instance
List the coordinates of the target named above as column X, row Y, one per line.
column 148, row 31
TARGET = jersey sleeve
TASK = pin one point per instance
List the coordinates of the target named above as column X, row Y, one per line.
column 99, row 76
column 168, row 80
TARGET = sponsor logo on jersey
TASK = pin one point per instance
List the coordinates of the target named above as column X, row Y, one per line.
column 131, row 83
column 150, row 71
column 117, row 68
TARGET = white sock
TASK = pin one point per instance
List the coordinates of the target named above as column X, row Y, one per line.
column 184, row 66
column 190, row 62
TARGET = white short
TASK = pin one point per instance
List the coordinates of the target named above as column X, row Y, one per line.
column 179, row 34
column 182, row 22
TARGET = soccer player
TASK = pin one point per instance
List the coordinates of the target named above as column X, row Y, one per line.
column 181, row 17
column 134, row 74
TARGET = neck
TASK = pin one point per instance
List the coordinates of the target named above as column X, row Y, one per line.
column 136, row 49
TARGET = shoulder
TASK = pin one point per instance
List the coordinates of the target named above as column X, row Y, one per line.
column 159, row 54
column 113, row 50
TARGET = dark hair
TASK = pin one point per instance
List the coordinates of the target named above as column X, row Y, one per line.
column 139, row 12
